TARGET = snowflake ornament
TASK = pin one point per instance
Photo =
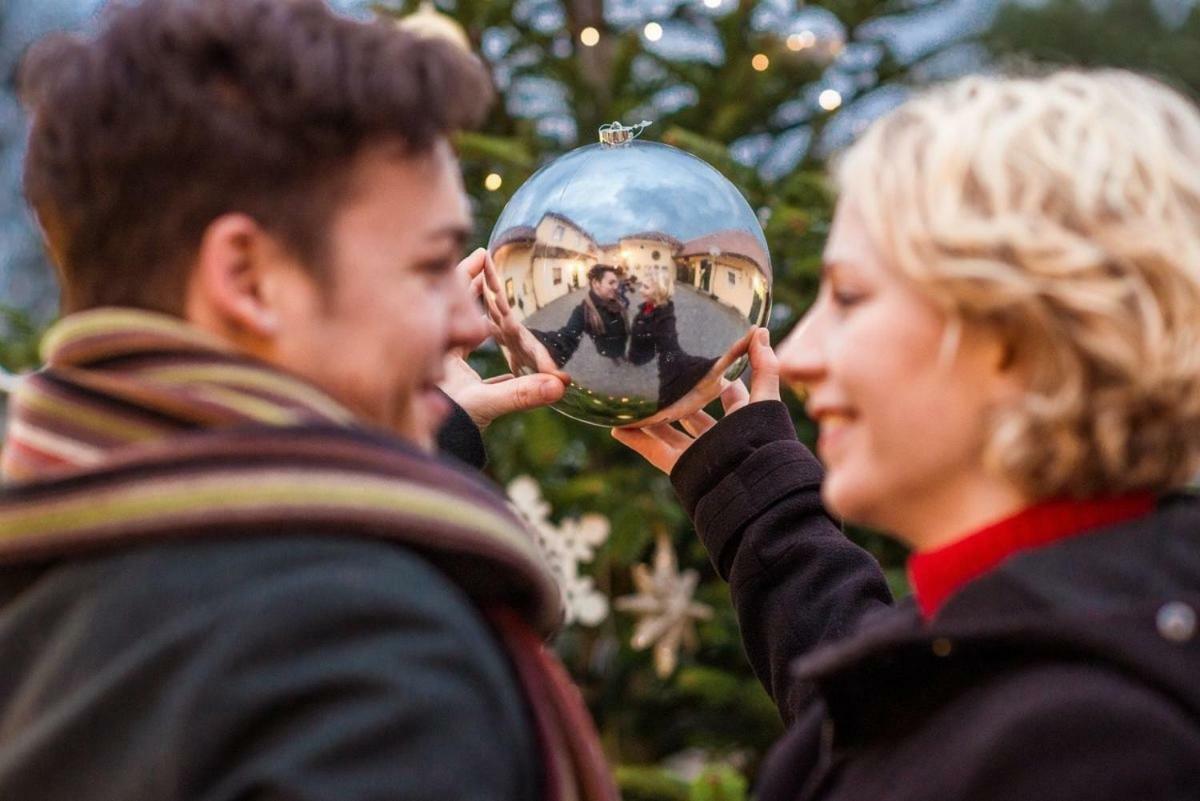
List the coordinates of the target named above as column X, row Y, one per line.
column 664, row 604
column 565, row 547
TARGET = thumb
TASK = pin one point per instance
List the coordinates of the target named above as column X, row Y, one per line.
column 523, row 392
column 764, row 368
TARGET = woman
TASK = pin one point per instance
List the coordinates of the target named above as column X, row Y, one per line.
column 1004, row 362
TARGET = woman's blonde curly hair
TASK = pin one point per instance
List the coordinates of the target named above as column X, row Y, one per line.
column 1064, row 211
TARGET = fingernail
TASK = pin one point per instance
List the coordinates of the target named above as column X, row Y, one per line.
column 764, row 336
column 550, row 389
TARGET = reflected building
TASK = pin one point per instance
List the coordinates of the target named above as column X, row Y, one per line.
column 731, row 266
column 644, row 255
column 539, row 264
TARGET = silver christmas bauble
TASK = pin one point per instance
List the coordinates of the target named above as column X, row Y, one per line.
column 633, row 268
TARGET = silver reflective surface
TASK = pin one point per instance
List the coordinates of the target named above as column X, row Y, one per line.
column 634, row 269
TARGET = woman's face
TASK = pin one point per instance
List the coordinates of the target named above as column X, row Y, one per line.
column 902, row 404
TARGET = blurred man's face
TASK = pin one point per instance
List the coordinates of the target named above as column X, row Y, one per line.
column 606, row 286
column 376, row 339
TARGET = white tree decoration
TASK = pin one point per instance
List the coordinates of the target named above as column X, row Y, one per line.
column 664, row 604
column 565, row 546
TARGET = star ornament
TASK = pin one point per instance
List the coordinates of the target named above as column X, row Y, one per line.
column 664, row 603
column 565, row 546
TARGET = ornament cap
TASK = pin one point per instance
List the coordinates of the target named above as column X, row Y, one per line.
column 613, row 134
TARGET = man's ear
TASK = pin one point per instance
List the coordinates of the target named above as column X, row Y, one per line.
column 229, row 292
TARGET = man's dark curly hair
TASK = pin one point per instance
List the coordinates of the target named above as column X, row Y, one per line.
column 596, row 273
column 177, row 111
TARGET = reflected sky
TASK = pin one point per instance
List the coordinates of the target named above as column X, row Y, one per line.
column 615, row 191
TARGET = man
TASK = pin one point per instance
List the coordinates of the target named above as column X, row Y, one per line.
column 229, row 568
column 600, row 315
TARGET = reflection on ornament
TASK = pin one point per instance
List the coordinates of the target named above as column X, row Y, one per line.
column 665, row 607
column 564, row 547
column 427, row 22
column 632, row 269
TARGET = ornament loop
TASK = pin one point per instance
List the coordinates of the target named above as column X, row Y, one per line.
column 614, row 133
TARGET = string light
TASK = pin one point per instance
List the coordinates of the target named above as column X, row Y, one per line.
column 830, row 99
column 760, row 62
column 802, row 40
column 653, row 31
column 492, row 182
column 589, row 36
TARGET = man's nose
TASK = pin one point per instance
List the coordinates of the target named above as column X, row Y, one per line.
column 467, row 326
column 802, row 360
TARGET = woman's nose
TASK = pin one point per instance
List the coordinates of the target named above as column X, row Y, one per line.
column 801, row 354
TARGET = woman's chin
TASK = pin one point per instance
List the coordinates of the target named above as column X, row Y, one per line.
column 843, row 499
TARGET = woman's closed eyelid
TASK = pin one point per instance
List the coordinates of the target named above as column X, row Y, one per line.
column 846, row 296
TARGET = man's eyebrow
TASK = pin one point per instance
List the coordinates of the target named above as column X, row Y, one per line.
column 460, row 234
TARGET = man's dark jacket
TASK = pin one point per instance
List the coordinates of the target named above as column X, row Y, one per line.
column 1068, row 673
column 297, row 668
column 610, row 343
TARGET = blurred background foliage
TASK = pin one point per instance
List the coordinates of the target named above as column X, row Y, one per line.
column 766, row 91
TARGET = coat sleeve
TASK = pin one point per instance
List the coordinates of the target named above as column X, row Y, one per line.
column 356, row 684
column 753, row 491
column 461, row 438
column 563, row 343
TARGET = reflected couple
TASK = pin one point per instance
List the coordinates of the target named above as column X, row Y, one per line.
column 621, row 343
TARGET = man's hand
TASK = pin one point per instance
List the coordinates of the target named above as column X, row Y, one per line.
column 661, row 444
column 485, row 400
column 520, row 346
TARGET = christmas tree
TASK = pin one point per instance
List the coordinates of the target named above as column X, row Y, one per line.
column 765, row 91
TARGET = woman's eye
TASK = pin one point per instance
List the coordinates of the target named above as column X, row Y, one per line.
column 843, row 298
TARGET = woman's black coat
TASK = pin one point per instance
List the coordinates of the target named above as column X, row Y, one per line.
column 1071, row 672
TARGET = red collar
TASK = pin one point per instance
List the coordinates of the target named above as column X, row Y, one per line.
column 936, row 575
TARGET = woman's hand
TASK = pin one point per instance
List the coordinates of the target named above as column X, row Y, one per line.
column 662, row 444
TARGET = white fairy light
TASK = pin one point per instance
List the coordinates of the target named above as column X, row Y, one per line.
column 830, row 99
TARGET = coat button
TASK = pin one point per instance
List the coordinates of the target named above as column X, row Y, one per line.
column 942, row 647
column 1176, row 621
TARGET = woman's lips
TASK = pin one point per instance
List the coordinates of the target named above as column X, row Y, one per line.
column 834, row 427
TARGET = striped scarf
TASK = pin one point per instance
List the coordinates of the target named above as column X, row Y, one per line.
column 141, row 428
